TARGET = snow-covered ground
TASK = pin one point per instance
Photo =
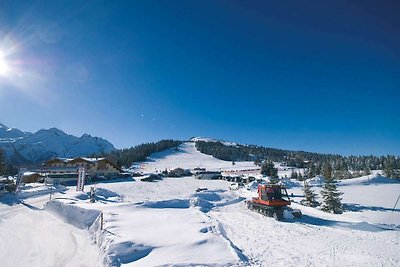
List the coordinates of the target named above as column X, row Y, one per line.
column 168, row 223
column 31, row 236
column 187, row 157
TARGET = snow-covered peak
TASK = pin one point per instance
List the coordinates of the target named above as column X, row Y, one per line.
column 10, row 133
column 51, row 131
column 48, row 143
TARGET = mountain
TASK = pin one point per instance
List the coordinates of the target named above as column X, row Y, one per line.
column 10, row 133
column 24, row 147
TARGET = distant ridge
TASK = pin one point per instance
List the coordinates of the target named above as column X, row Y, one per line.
column 24, row 147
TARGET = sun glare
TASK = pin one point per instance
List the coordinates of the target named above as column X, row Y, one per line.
column 4, row 67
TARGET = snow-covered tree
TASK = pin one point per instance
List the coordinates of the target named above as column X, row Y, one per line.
column 309, row 196
column 269, row 169
column 327, row 170
column 331, row 197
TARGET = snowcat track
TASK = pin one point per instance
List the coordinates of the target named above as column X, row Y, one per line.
column 275, row 212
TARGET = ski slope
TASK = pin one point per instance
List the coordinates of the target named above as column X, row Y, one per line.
column 188, row 157
column 168, row 223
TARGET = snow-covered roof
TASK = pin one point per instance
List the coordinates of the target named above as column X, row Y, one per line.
column 90, row 160
column 66, row 160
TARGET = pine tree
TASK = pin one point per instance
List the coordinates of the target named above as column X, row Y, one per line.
column 3, row 167
column 366, row 170
column 327, row 170
column 309, row 196
column 269, row 169
column 300, row 177
column 257, row 162
column 331, row 197
column 293, row 175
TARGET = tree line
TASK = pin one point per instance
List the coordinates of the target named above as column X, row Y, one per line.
column 343, row 167
column 331, row 200
column 6, row 167
column 125, row 157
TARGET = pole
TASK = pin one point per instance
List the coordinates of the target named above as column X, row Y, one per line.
column 102, row 221
column 396, row 203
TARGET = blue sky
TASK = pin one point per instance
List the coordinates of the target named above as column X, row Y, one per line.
column 306, row 75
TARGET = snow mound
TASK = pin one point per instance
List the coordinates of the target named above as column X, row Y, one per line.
column 207, row 200
column 211, row 195
column 76, row 216
column 126, row 252
column 168, row 204
column 107, row 195
column 203, row 204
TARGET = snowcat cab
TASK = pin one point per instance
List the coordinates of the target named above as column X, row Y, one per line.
column 273, row 195
column 272, row 200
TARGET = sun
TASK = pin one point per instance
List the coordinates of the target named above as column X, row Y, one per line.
column 4, row 66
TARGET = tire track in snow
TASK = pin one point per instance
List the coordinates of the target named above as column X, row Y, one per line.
column 218, row 229
column 237, row 250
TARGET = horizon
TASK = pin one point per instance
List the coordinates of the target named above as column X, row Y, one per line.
column 309, row 76
column 205, row 137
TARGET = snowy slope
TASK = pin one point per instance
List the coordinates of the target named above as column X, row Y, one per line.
column 188, row 157
column 45, row 144
column 181, row 227
column 369, row 198
column 167, row 223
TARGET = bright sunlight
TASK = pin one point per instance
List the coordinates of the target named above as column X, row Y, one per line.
column 4, row 66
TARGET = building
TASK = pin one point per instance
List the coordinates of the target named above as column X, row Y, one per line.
column 207, row 175
column 31, row 177
column 66, row 169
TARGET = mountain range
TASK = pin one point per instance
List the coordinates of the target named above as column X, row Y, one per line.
column 25, row 147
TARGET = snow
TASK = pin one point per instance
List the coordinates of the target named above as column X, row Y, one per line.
column 369, row 198
column 168, row 223
column 76, row 216
column 188, row 157
column 208, row 139
column 33, row 237
column 45, row 144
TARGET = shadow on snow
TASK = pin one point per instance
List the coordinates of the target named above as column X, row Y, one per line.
column 359, row 208
column 361, row 226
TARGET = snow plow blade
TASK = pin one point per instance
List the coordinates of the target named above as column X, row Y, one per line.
column 296, row 213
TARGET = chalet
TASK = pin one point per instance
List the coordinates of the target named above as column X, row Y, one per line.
column 66, row 169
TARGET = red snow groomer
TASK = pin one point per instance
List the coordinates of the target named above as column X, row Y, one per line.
column 272, row 200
